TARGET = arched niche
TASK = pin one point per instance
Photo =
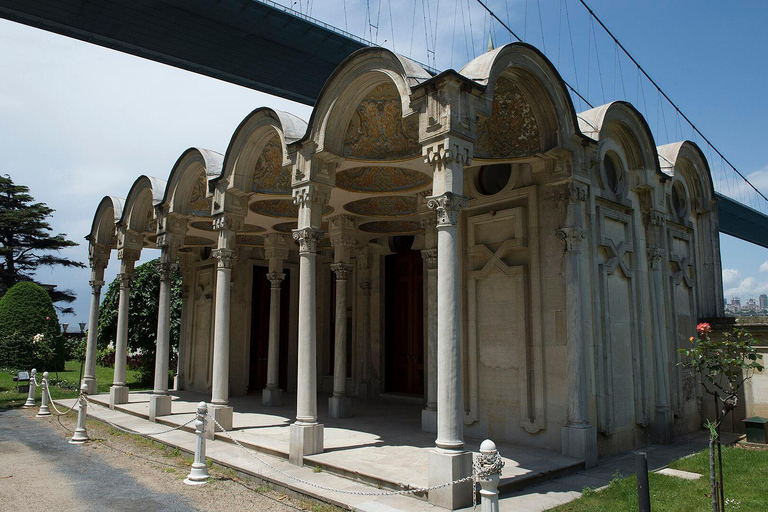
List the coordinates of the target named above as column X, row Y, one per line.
column 103, row 228
column 139, row 212
column 187, row 191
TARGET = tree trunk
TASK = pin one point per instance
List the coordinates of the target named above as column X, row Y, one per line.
column 712, row 480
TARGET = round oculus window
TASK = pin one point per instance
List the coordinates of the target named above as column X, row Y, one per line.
column 491, row 179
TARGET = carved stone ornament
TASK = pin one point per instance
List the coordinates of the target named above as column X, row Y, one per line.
column 655, row 254
column 227, row 222
column 341, row 270
column 307, row 238
column 447, row 207
column 572, row 236
column 309, row 195
column 96, row 285
column 125, row 279
column 430, row 258
column 655, row 218
column 438, row 154
column 365, row 288
column 275, row 253
column 276, row 278
column 165, row 269
column 225, row 257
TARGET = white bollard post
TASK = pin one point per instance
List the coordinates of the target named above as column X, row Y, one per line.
column 488, row 469
column 198, row 475
column 80, row 434
column 32, row 385
column 44, row 410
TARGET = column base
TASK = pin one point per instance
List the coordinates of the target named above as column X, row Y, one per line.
column 429, row 421
column 118, row 395
column 43, row 412
column 446, row 466
column 29, row 403
column 339, row 407
column 580, row 441
column 79, row 436
column 159, row 405
column 178, row 382
column 91, row 383
column 272, row 397
column 665, row 429
column 222, row 414
column 306, row 439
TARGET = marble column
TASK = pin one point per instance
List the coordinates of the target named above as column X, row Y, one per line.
column 578, row 437
column 118, row 393
column 340, row 405
column 97, row 282
column 449, row 461
column 224, row 255
column 664, row 416
column 306, row 432
column 271, row 396
column 429, row 414
column 160, row 400
column 179, row 380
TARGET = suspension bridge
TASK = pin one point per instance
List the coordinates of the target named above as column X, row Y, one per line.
column 284, row 51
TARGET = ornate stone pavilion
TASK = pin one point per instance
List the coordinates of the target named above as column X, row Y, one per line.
column 466, row 238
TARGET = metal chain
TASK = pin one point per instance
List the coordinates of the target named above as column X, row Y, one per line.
column 58, row 412
column 343, row 491
column 131, row 431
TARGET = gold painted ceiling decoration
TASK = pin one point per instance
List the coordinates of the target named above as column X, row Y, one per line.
column 512, row 130
column 396, row 226
column 250, row 228
column 199, row 205
column 288, row 227
column 381, row 179
column 252, row 240
column 377, row 130
column 198, row 241
column 386, row 206
column 269, row 177
column 202, row 225
column 280, row 208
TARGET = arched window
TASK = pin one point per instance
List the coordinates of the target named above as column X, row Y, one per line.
column 491, row 179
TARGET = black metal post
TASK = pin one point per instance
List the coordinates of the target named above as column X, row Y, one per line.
column 643, row 490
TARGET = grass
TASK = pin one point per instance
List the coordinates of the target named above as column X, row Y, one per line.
column 10, row 398
column 744, row 470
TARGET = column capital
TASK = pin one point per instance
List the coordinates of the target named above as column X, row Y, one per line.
column 224, row 256
column 128, row 254
column 125, row 279
column 572, row 237
column 365, row 288
column 165, row 269
column 654, row 218
column 96, row 285
column 447, row 207
column 276, row 278
column 342, row 270
column 430, row 258
column 276, row 246
column 307, row 239
column 655, row 255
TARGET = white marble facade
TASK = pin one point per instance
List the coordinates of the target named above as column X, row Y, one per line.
column 565, row 257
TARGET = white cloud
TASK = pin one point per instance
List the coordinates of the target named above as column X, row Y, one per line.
column 764, row 267
column 746, row 288
column 730, row 277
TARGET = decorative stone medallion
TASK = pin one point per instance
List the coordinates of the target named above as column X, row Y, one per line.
column 199, row 205
column 381, row 179
column 512, row 130
column 280, row 208
column 269, row 177
column 377, row 130
column 395, row 226
column 385, row 206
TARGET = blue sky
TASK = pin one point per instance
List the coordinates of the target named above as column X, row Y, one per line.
column 78, row 122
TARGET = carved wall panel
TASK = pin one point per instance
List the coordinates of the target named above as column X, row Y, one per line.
column 269, row 177
column 199, row 205
column 511, row 130
column 377, row 130
column 201, row 360
column 504, row 352
column 619, row 366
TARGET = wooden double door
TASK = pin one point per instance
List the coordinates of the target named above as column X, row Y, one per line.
column 260, row 300
column 404, row 317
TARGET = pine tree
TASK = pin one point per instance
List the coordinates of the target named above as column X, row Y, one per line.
column 25, row 241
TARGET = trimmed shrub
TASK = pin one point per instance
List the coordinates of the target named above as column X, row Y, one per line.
column 25, row 311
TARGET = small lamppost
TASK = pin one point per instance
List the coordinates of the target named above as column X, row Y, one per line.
column 64, row 327
column 82, row 327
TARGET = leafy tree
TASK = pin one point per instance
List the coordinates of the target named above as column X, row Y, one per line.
column 24, row 235
column 721, row 364
column 142, row 315
column 26, row 311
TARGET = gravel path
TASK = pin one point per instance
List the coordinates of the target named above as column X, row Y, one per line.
column 114, row 472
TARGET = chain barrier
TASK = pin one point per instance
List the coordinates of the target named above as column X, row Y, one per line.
column 53, row 404
column 331, row 489
column 131, row 431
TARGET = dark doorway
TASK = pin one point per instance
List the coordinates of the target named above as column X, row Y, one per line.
column 257, row 379
column 404, row 316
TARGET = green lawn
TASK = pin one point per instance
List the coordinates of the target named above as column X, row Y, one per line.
column 745, row 489
column 9, row 397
